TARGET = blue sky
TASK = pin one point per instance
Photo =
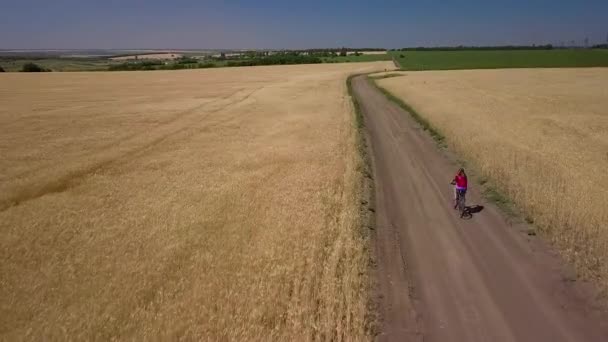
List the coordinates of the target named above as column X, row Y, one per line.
column 65, row 24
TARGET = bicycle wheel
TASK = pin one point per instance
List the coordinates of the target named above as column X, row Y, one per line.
column 460, row 201
column 464, row 212
column 461, row 205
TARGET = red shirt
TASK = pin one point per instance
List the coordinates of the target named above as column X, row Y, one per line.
column 461, row 182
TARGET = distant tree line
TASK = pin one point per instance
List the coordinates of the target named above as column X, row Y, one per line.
column 158, row 65
column 479, row 48
column 323, row 50
column 134, row 66
column 188, row 63
column 329, row 52
column 280, row 59
column 600, row 46
column 32, row 67
column 27, row 67
column 366, row 49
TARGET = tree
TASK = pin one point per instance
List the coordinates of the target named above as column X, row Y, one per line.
column 31, row 67
column 1, row 69
column 343, row 52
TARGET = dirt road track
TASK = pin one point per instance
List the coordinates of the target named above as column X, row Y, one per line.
column 441, row 278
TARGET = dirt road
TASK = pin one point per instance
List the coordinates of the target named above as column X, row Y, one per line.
column 441, row 278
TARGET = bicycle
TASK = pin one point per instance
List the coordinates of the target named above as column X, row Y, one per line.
column 461, row 204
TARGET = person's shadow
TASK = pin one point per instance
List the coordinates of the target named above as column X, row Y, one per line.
column 471, row 210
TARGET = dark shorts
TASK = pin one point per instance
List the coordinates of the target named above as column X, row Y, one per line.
column 460, row 192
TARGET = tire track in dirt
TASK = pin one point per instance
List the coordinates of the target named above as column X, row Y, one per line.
column 111, row 156
column 441, row 278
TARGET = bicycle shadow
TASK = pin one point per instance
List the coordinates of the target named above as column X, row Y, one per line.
column 471, row 210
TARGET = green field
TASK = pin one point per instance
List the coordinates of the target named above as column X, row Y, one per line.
column 494, row 59
column 360, row 58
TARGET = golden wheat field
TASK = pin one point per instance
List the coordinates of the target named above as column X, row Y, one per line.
column 540, row 135
column 204, row 205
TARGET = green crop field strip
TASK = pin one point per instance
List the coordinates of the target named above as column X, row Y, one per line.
column 494, row 59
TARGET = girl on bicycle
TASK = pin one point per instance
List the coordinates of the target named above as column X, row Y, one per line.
column 460, row 182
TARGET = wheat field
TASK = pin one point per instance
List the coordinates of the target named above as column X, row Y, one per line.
column 216, row 204
column 539, row 135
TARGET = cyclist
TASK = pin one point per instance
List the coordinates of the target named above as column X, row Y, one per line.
column 460, row 182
